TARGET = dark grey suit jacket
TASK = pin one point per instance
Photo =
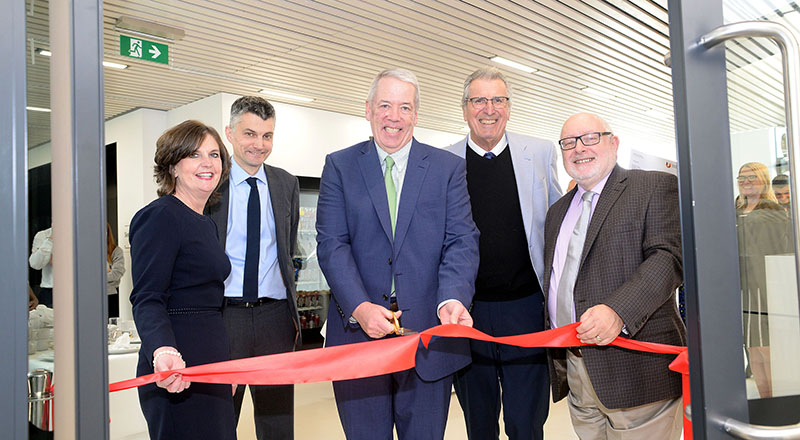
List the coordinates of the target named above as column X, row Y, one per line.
column 284, row 192
column 631, row 262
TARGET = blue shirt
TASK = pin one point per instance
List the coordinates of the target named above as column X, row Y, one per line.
column 270, row 283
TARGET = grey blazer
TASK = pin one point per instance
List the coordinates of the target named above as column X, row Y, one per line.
column 631, row 262
column 284, row 192
column 534, row 162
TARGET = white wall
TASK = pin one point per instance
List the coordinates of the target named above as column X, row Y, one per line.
column 754, row 146
column 39, row 155
column 303, row 137
column 135, row 134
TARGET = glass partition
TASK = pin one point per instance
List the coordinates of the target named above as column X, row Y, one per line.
column 760, row 161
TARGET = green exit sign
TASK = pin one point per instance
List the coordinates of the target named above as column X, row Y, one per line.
column 144, row 50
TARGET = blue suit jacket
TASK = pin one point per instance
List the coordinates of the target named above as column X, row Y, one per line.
column 534, row 162
column 433, row 257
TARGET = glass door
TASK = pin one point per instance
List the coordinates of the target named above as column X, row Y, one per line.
column 730, row 63
column 62, row 346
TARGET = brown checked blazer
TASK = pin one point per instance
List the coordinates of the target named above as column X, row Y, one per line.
column 631, row 262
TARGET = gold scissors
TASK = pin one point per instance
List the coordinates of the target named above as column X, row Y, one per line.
column 398, row 330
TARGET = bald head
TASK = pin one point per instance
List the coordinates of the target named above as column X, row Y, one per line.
column 588, row 164
column 583, row 120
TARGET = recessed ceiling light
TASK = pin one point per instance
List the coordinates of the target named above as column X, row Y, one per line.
column 278, row 94
column 38, row 109
column 513, row 64
column 110, row 64
column 115, row 65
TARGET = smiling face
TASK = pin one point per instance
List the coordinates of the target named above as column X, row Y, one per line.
column 251, row 138
column 197, row 175
column 488, row 124
column 589, row 165
column 750, row 184
column 782, row 194
column 391, row 114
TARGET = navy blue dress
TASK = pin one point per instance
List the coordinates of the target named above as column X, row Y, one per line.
column 179, row 269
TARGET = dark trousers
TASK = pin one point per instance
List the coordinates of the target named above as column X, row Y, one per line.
column 257, row 331
column 513, row 377
column 45, row 296
column 369, row 408
column 113, row 305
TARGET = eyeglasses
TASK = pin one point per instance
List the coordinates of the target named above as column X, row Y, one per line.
column 748, row 178
column 480, row 102
column 587, row 140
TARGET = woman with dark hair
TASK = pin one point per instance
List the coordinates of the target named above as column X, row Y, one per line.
column 763, row 229
column 179, row 269
column 115, row 269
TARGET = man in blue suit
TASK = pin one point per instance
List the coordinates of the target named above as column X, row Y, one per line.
column 512, row 182
column 395, row 233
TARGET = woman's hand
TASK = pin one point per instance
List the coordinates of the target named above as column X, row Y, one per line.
column 168, row 358
column 32, row 300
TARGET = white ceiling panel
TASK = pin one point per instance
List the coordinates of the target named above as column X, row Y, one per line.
column 600, row 56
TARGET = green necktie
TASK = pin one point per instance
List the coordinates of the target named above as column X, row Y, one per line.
column 391, row 197
column 391, row 191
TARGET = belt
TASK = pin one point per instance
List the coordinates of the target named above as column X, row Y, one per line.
column 236, row 302
column 192, row 310
column 575, row 351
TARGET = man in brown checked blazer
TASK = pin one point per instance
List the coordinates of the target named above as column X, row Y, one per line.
column 624, row 262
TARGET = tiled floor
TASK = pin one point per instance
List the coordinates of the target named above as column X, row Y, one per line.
column 316, row 417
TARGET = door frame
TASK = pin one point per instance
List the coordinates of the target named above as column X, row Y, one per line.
column 710, row 250
column 13, row 217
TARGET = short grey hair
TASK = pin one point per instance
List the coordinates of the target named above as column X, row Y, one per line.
column 397, row 73
column 488, row 73
column 251, row 104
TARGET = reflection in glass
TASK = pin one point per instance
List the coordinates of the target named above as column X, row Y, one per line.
column 763, row 229
column 771, row 321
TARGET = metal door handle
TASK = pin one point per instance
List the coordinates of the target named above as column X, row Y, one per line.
column 790, row 54
column 747, row 431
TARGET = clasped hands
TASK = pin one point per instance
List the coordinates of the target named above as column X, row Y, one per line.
column 600, row 325
column 378, row 321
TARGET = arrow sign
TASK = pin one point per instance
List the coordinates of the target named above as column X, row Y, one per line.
column 154, row 52
column 134, row 47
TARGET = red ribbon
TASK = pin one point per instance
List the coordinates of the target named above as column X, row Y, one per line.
column 374, row 358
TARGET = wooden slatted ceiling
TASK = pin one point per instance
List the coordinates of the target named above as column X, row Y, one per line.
column 602, row 56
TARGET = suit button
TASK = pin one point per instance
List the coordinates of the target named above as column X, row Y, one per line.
column 385, row 298
column 390, row 261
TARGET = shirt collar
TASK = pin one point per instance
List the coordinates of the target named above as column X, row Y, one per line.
column 400, row 156
column 597, row 189
column 497, row 149
column 238, row 175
